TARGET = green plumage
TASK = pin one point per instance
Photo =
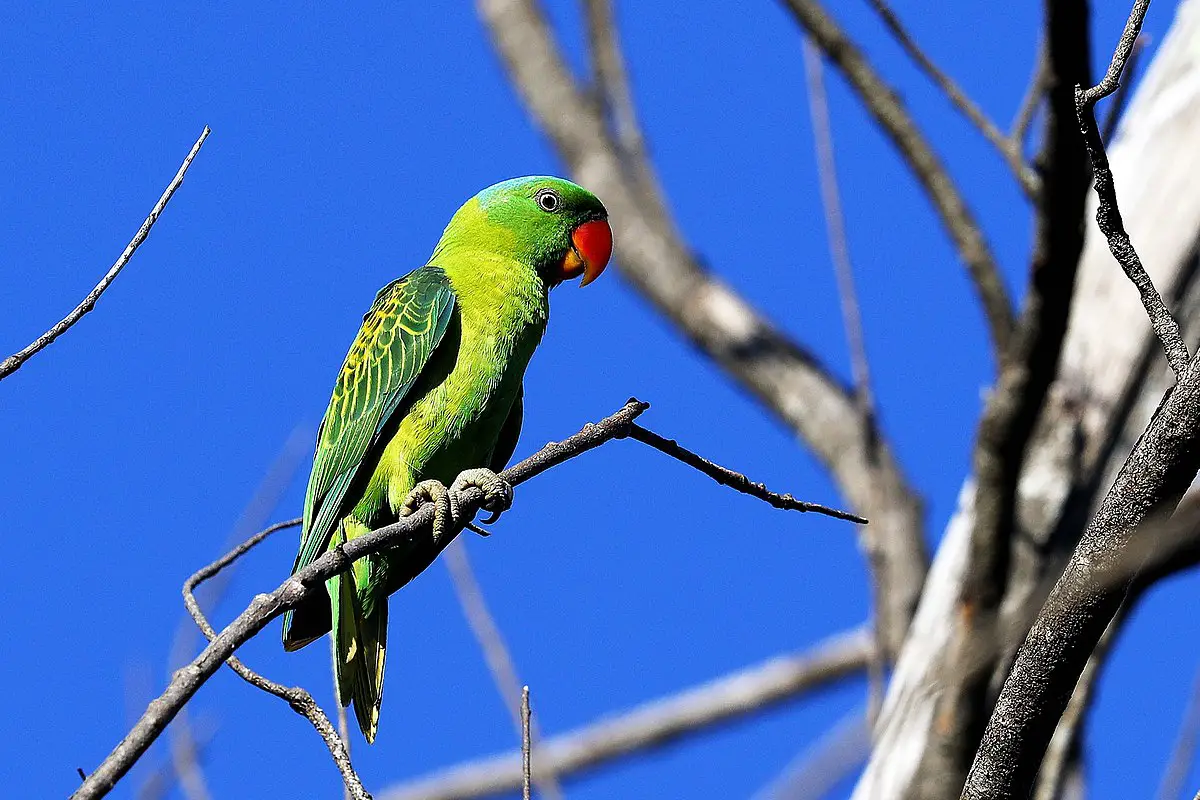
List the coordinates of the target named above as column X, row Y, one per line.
column 430, row 387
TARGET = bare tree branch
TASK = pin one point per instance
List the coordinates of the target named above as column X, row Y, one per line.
column 1064, row 747
column 835, row 229
column 612, row 86
column 893, row 118
column 1120, row 97
column 11, row 364
column 652, row 255
column 343, row 719
column 734, row 480
column 495, row 652
column 1108, row 214
column 1009, row 148
column 657, row 723
column 157, row 785
column 1074, row 454
column 1032, row 100
column 839, row 255
column 1008, row 422
column 299, row 699
column 1086, row 597
column 409, row 533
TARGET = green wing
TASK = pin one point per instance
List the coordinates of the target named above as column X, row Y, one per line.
column 506, row 442
column 405, row 323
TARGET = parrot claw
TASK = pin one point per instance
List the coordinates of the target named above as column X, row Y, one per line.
column 497, row 492
column 497, row 498
column 473, row 528
column 445, row 511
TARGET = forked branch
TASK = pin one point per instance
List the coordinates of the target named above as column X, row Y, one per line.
column 1108, row 214
column 402, row 535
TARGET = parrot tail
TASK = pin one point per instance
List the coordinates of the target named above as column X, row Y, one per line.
column 361, row 646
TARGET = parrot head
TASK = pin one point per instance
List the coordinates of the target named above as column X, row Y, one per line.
column 551, row 224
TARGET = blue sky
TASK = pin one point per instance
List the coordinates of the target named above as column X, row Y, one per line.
column 342, row 142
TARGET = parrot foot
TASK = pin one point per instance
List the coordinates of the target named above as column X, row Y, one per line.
column 444, row 512
column 497, row 498
column 497, row 492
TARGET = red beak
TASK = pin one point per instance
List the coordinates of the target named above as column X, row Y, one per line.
column 591, row 248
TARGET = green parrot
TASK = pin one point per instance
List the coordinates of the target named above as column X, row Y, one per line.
column 430, row 394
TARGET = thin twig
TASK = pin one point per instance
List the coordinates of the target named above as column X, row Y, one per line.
column 835, row 228
column 1108, row 214
column 886, row 108
column 495, row 651
column 1121, row 96
column 735, row 480
column 14, row 362
column 1129, row 36
column 526, row 747
column 1183, row 754
column 1032, row 100
column 1009, row 149
column 657, row 723
column 839, row 255
column 299, row 699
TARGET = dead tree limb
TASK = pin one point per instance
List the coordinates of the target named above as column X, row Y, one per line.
column 1087, row 595
column 787, row 379
column 410, row 532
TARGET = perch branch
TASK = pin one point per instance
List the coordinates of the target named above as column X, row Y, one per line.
column 1008, row 148
column 893, row 118
column 656, row 723
column 403, row 534
column 299, row 699
column 11, row 364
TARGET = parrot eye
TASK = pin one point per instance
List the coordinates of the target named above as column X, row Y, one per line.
column 548, row 200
